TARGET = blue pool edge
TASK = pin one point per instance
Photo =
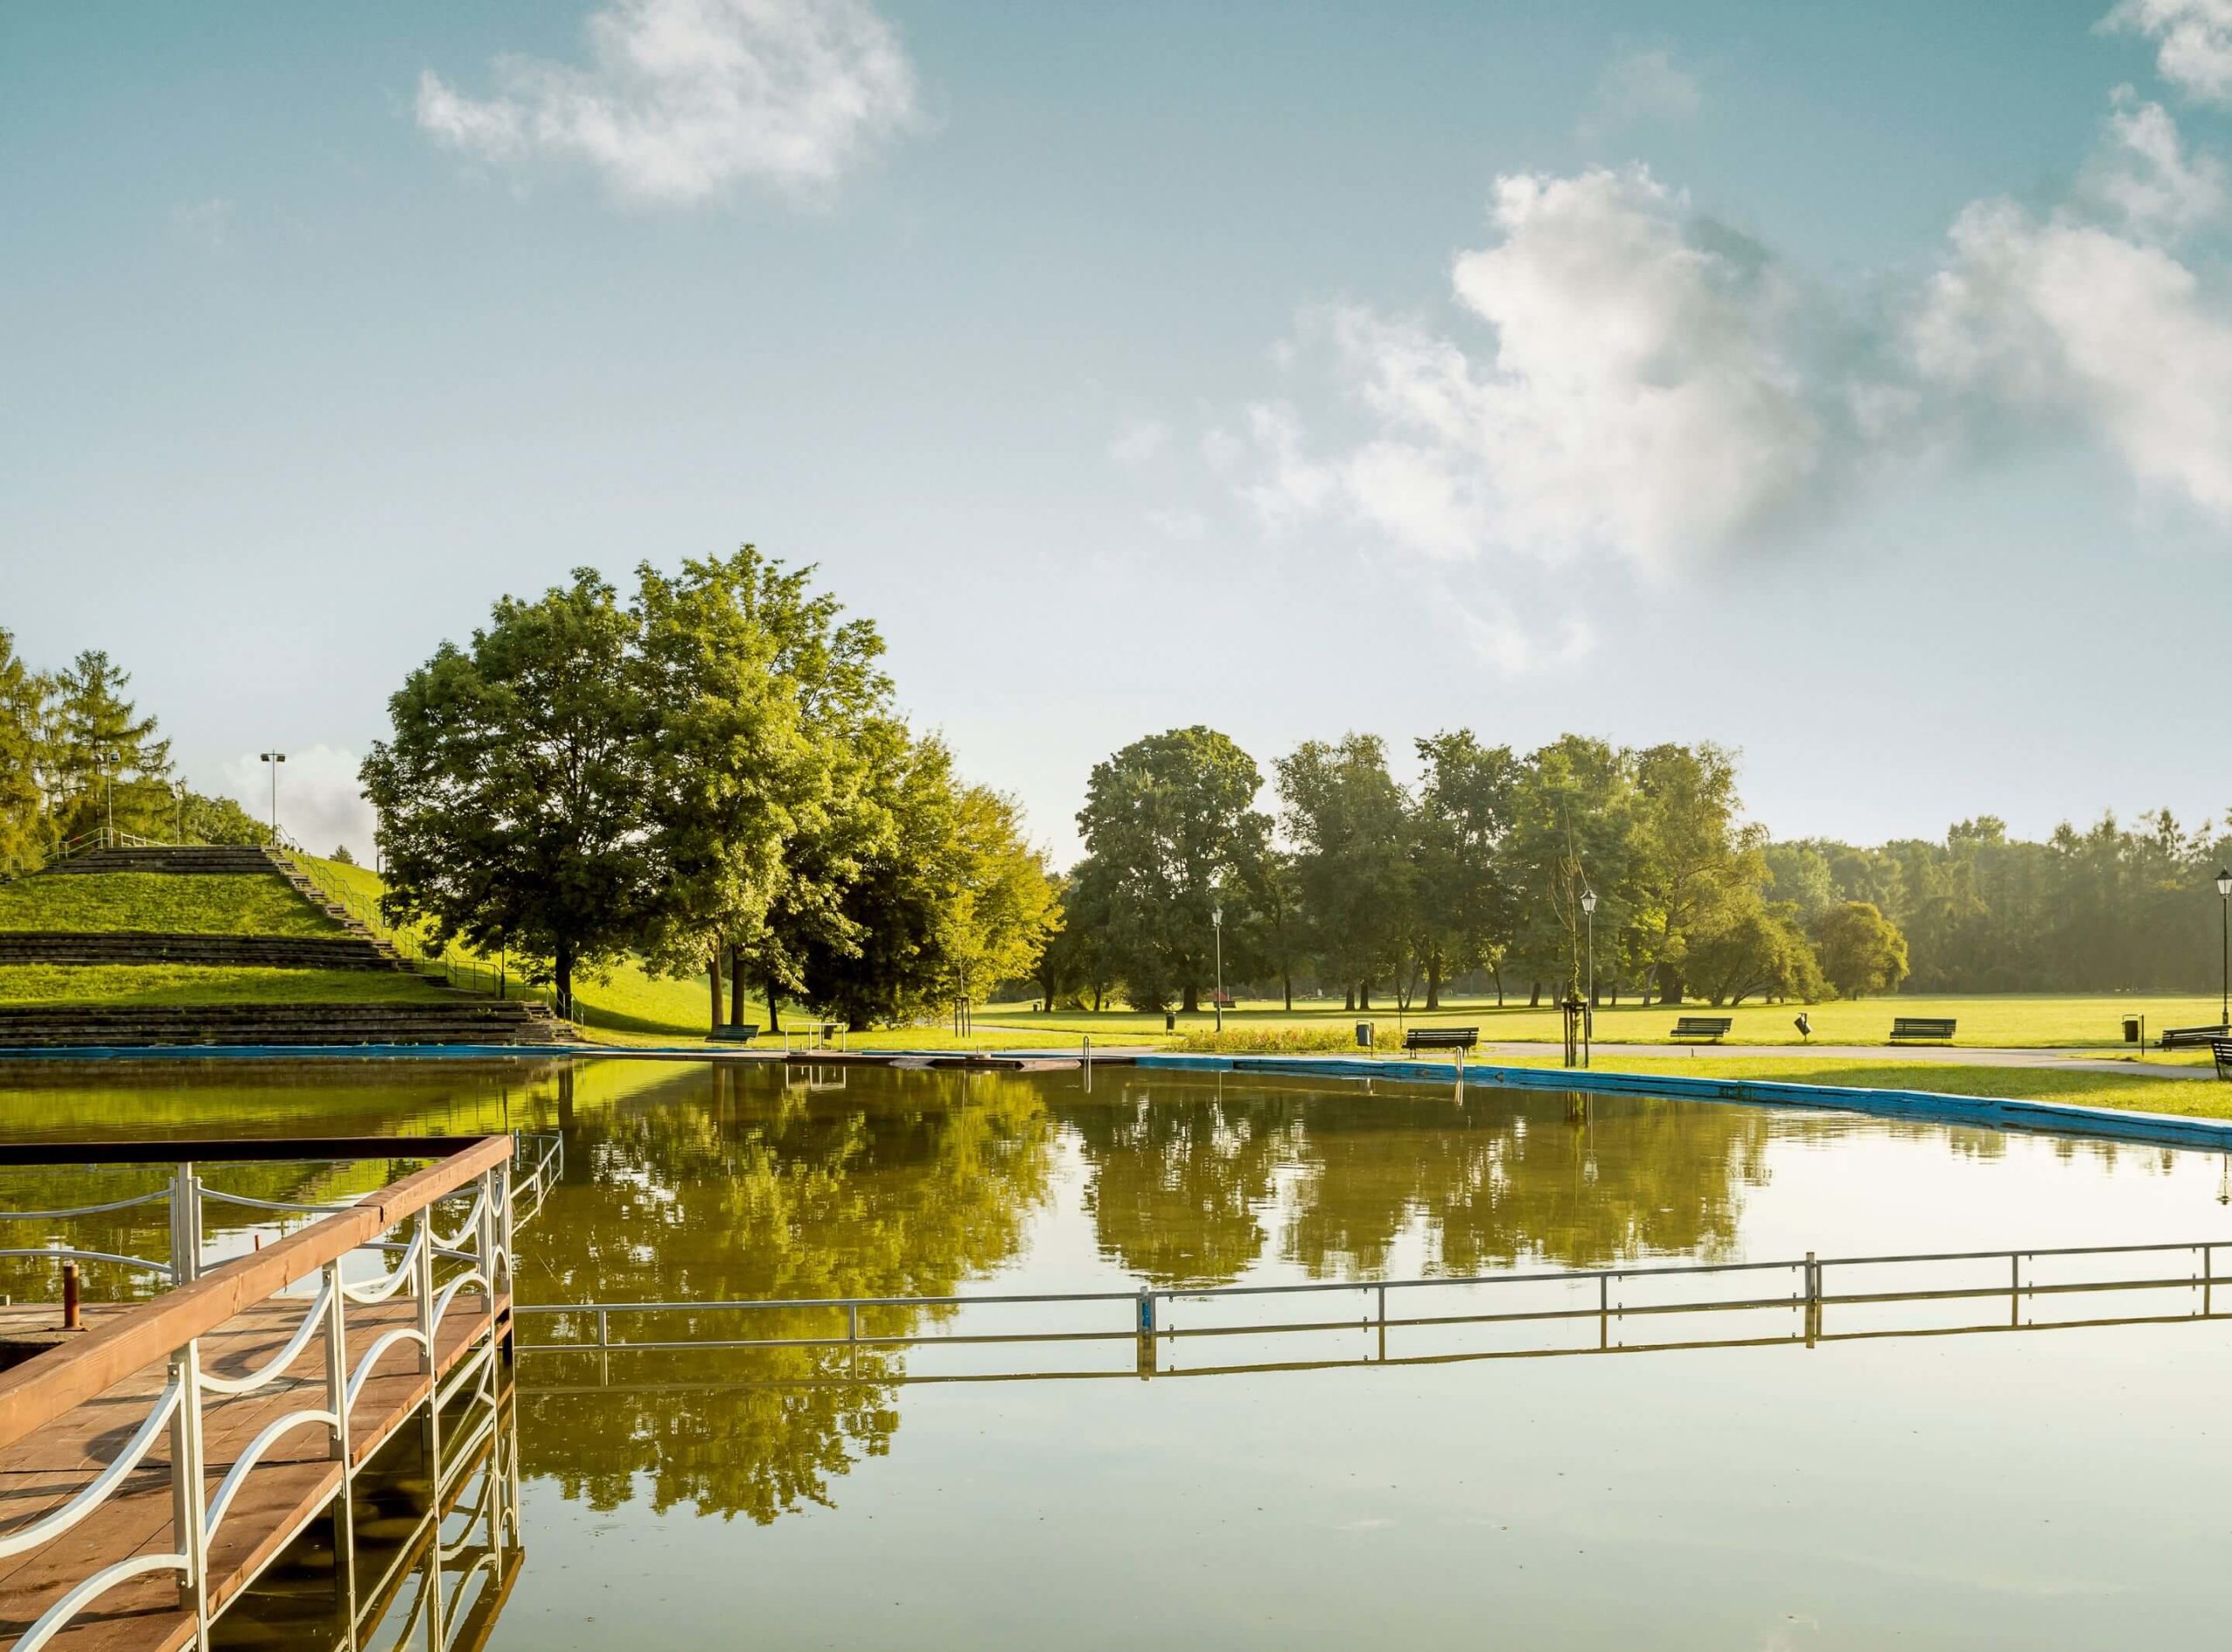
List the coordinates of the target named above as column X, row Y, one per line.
column 1998, row 1113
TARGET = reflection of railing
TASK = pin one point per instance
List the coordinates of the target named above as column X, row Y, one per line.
column 228, row 1340
column 1601, row 1298
column 538, row 1161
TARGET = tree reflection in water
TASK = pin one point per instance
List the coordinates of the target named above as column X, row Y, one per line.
column 729, row 1184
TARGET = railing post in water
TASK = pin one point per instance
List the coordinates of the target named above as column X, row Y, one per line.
column 1812, row 1299
column 189, row 1518
column 186, row 1227
column 423, row 1288
column 337, row 1401
column 2208, row 1277
column 1144, row 1353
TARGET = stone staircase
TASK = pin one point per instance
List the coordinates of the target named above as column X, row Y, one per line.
column 255, row 952
column 447, row 1017
column 210, row 858
column 462, row 1020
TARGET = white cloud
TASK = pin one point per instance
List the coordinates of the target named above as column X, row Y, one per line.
column 1626, row 378
column 1637, row 393
column 1186, row 527
column 320, row 804
column 2144, row 177
column 1139, row 441
column 1642, row 85
column 2194, row 42
column 683, row 99
column 2063, row 317
column 1496, row 632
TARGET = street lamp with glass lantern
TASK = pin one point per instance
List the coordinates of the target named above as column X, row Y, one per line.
column 1216, row 922
column 2224, row 925
column 275, row 758
column 178, row 795
column 1588, row 1010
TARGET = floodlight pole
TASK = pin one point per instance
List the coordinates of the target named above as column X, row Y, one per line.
column 275, row 758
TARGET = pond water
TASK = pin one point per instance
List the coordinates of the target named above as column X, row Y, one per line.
column 2049, row 1488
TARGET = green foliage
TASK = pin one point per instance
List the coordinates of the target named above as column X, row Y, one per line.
column 514, row 798
column 106, row 759
column 1170, row 829
column 1353, row 866
column 1755, row 949
column 1861, row 950
column 153, row 902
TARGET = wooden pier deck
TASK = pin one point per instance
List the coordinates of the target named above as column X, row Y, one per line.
column 94, row 1430
column 294, row 1483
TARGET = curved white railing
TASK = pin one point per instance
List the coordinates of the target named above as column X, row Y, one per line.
column 56, row 1617
column 54, row 1524
column 274, row 1367
column 435, row 1267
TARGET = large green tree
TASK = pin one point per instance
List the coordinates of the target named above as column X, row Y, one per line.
column 1170, row 829
column 23, row 697
column 1466, row 910
column 514, row 797
column 1861, row 950
column 1350, row 823
column 108, row 761
column 1695, row 863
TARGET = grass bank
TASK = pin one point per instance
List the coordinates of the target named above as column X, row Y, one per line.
column 119, row 984
column 244, row 904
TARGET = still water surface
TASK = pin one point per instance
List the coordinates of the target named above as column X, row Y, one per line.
column 2057, row 1488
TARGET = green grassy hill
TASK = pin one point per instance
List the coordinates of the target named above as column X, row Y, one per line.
column 248, row 903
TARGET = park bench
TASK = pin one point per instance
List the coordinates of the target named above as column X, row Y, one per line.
column 1691, row 1028
column 2192, row 1038
column 1907, row 1029
column 1418, row 1038
column 742, row 1033
column 2221, row 1048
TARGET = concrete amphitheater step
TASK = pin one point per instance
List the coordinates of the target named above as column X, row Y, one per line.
column 467, row 1020
column 212, row 859
column 137, row 947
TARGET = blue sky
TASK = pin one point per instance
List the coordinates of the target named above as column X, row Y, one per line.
column 1849, row 385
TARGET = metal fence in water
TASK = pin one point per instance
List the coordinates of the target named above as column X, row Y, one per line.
column 1805, row 1300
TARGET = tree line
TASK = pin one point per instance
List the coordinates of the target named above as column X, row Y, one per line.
column 1577, row 867
column 712, row 776
column 76, row 754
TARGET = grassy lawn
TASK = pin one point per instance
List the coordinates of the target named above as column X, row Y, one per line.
column 189, row 984
column 251, row 903
column 2027, row 1021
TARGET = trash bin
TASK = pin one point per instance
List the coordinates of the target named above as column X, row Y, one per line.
column 1170, row 1021
column 2134, row 1032
column 1364, row 1035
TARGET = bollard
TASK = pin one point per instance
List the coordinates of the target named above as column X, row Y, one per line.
column 70, row 1320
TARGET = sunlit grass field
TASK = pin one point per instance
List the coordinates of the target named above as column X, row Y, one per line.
column 248, row 903
column 2012, row 1020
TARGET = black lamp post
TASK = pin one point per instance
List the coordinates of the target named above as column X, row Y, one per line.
column 275, row 758
column 1216, row 922
column 2224, row 925
column 1588, row 1010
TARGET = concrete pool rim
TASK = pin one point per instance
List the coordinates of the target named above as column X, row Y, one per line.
column 1996, row 1112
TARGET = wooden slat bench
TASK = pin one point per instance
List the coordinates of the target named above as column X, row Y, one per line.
column 1928, row 1029
column 1418, row 1038
column 2192, row 1038
column 1691, row 1029
column 2221, row 1048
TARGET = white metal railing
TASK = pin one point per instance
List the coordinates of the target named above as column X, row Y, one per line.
column 442, row 1261
column 1608, row 1296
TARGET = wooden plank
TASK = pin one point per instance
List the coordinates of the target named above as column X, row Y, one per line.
column 292, row 1484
